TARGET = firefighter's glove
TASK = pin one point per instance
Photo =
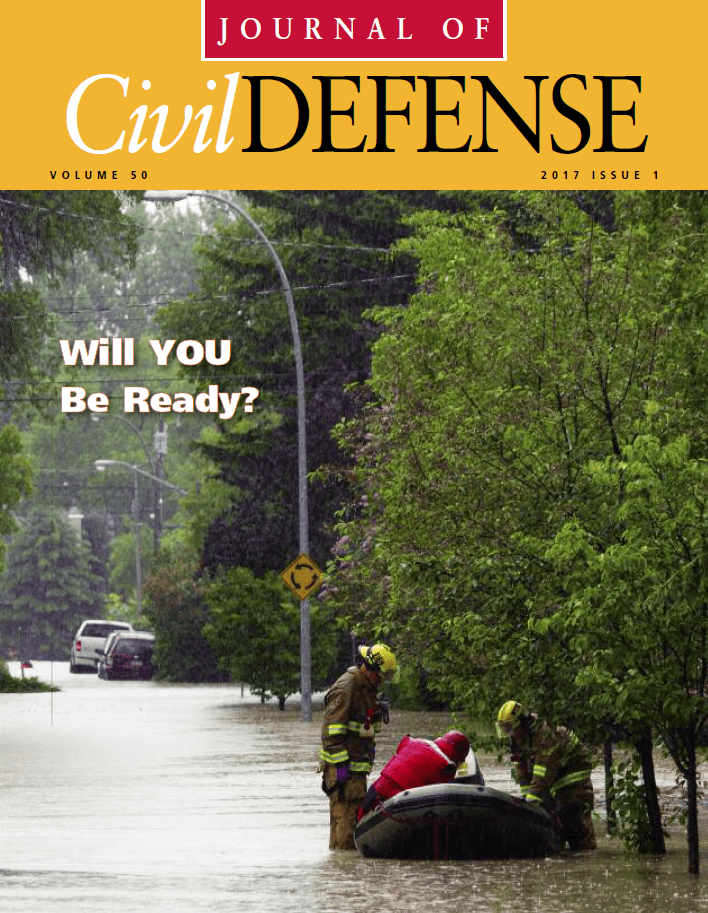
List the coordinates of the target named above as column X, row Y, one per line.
column 342, row 773
column 384, row 707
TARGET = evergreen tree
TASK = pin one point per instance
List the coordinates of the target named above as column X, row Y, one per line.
column 48, row 587
column 335, row 247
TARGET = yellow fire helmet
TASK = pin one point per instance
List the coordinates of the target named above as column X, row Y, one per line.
column 380, row 658
column 509, row 718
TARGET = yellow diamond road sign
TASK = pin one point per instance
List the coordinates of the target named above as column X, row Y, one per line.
column 302, row 576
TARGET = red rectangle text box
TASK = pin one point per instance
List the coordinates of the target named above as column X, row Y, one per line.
column 353, row 30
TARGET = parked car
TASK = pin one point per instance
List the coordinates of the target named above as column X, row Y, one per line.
column 91, row 636
column 128, row 654
column 102, row 651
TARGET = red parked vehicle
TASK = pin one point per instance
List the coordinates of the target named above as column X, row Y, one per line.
column 128, row 654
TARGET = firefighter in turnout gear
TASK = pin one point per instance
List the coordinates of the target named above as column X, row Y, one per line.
column 553, row 767
column 353, row 714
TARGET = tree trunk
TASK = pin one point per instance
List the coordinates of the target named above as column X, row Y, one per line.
column 692, row 817
column 609, row 786
column 656, row 830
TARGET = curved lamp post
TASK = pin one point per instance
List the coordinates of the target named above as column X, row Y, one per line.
column 157, row 526
column 175, row 196
column 104, row 464
column 96, row 417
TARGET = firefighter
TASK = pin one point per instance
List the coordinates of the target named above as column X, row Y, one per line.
column 553, row 767
column 353, row 714
column 419, row 762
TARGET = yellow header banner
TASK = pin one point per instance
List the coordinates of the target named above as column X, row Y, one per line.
column 551, row 95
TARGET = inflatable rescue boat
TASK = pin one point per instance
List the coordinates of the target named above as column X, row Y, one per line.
column 458, row 820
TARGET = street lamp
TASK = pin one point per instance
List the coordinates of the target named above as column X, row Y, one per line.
column 160, row 447
column 104, row 464
column 175, row 196
column 96, row 417
column 160, row 444
column 101, row 465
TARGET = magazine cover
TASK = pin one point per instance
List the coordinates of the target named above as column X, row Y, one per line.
column 353, row 488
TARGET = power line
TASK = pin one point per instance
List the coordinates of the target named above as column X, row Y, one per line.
column 99, row 312
column 345, row 283
column 198, row 235
column 86, row 381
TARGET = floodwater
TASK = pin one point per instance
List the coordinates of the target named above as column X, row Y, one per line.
column 127, row 796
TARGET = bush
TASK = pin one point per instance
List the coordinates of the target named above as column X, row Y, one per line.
column 629, row 804
column 177, row 613
column 11, row 685
column 254, row 628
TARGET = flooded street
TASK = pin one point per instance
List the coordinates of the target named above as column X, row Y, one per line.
column 121, row 796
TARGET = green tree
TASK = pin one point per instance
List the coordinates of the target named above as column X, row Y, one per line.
column 40, row 231
column 94, row 298
column 15, row 478
column 639, row 617
column 43, row 229
column 254, row 628
column 122, row 564
column 48, row 587
column 177, row 611
column 64, row 448
column 514, row 369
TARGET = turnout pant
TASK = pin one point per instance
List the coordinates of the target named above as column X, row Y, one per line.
column 575, row 806
column 344, row 799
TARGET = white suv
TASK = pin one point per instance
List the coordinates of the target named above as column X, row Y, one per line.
column 91, row 635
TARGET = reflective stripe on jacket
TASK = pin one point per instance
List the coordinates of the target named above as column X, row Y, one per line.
column 553, row 759
column 352, row 718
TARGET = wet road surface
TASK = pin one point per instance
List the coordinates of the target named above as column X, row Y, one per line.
column 122, row 796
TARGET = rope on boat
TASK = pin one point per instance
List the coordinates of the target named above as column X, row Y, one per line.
column 430, row 819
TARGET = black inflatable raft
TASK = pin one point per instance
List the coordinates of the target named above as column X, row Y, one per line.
column 456, row 821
